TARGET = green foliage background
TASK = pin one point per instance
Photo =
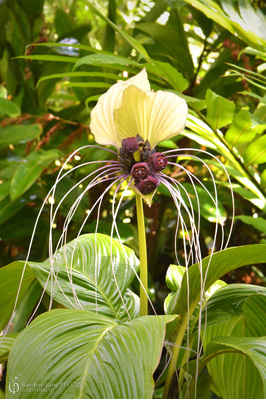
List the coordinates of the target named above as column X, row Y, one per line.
column 215, row 60
column 56, row 59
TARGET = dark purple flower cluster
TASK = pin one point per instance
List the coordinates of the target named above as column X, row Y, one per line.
column 144, row 171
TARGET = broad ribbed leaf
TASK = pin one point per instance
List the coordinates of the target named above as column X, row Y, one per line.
column 216, row 266
column 238, row 376
column 255, row 153
column 10, row 277
column 174, row 277
column 237, row 312
column 220, row 111
column 243, row 375
column 240, row 131
column 5, row 346
column 89, row 270
column 79, row 354
column 227, row 302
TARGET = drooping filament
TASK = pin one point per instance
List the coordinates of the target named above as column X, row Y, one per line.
column 140, row 167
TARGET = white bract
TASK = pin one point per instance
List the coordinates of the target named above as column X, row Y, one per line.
column 131, row 108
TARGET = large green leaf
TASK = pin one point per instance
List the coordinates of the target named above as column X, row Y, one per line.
column 228, row 301
column 103, row 59
column 92, row 272
column 8, row 107
column 79, row 354
column 255, row 153
column 174, row 276
column 243, row 375
column 6, row 342
column 167, row 72
column 18, row 134
column 230, row 19
column 210, row 269
column 258, row 223
column 238, row 311
column 173, row 42
column 10, row 277
column 220, row 111
column 240, row 130
column 30, row 169
column 26, row 306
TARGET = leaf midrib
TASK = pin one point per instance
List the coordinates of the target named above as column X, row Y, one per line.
column 90, row 359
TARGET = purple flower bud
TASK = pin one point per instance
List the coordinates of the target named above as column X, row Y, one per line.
column 148, row 185
column 158, row 161
column 140, row 171
column 130, row 145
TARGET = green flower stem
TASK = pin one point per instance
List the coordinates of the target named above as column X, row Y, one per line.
column 143, row 257
column 174, row 358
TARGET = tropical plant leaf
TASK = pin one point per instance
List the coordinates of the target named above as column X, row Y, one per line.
column 6, row 342
column 8, row 107
column 238, row 311
column 26, row 306
column 211, row 269
column 258, row 223
column 80, row 354
column 169, row 73
column 173, row 41
column 30, row 169
column 244, row 366
column 104, row 59
column 228, row 301
column 239, row 132
column 230, row 19
column 174, row 277
column 220, row 111
column 93, row 272
column 255, row 153
column 50, row 57
column 18, row 134
column 10, row 277
column 81, row 74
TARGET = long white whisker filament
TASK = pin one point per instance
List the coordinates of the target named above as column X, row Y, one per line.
column 199, row 344
column 65, row 228
column 218, row 217
column 98, row 202
column 69, row 216
column 224, row 170
column 195, row 234
column 50, row 194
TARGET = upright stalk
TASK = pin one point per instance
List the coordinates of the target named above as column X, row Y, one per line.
column 143, row 257
column 174, row 358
